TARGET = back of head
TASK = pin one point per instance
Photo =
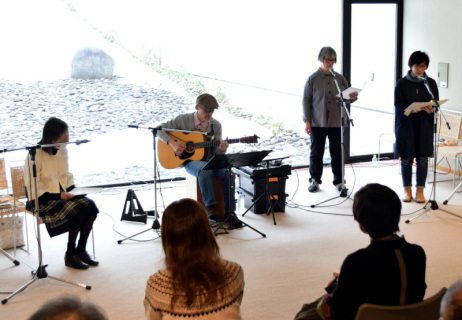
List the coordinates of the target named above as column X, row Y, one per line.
column 186, row 233
column 191, row 252
column 451, row 304
column 68, row 308
column 377, row 208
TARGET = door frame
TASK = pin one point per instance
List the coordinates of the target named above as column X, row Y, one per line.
column 346, row 61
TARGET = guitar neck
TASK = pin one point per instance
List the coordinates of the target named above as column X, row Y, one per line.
column 213, row 143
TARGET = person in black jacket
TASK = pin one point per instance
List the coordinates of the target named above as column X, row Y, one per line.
column 389, row 271
column 414, row 133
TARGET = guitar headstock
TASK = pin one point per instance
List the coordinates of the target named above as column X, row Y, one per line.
column 250, row 139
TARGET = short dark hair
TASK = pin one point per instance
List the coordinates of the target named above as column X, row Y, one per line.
column 378, row 209
column 68, row 307
column 418, row 57
column 52, row 130
column 327, row 52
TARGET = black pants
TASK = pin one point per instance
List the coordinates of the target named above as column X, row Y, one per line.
column 318, row 144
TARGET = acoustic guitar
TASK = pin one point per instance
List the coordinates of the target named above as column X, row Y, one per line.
column 195, row 144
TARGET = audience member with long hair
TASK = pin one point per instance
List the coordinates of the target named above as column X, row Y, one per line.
column 60, row 210
column 196, row 282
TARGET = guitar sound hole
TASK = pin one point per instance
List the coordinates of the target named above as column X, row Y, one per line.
column 189, row 147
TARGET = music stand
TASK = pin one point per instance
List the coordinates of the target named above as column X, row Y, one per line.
column 229, row 161
column 269, row 197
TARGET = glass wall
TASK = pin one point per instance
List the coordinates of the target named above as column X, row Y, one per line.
column 256, row 54
column 373, row 52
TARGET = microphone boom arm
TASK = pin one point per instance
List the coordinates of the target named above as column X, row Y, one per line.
column 341, row 97
column 437, row 105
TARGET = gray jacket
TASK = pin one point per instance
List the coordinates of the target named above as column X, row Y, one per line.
column 320, row 105
column 186, row 122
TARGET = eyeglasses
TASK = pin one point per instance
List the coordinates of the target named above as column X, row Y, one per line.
column 420, row 66
column 330, row 59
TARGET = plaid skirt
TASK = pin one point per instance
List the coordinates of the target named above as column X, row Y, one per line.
column 60, row 216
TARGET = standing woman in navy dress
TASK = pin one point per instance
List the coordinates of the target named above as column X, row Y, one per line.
column 414, row 133
column 60, row 210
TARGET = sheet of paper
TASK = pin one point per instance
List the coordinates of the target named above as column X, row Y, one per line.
column 417, row 106
column 78, row 191
column 346, row 93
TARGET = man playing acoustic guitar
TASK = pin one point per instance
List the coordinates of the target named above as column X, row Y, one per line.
column 202, row 120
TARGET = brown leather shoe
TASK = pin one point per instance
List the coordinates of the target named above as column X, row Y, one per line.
column 73, row 261
column 85, row 257
column 407, row 196
column 419, row 195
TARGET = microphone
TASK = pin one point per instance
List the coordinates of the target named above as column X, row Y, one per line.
column 212, row 133
column 82, row 141
column 145, row 127
column 424, row 79
column 332, row 72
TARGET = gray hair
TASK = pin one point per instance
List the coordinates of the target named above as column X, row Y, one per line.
column 452, row 302
column 327, row 52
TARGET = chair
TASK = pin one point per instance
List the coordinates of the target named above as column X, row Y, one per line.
column 455, row 133
column 428, row 309
column 3, row 181
column 8, row 207
column 193, row 191
column 19, row 193
column 20, row 196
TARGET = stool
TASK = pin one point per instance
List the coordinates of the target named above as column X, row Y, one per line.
column 193, row 191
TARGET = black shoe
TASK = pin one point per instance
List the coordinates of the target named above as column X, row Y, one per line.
column 73, row 261
column 339, row 187
column 314, row 186
column 85, row 257
column 234, row 222
column 213, row 213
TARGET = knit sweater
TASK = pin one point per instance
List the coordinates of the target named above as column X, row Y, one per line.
column 157, row 302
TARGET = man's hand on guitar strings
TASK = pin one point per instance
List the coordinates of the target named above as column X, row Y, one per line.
column 177, row 147
column 224, row 145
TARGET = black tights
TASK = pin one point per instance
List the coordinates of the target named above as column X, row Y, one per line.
column 84, row 227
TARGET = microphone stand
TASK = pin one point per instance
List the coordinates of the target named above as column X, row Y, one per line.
column 16, row 262
column 156, row 223
column 433, row 203
column 41, row 273
column 344, row 190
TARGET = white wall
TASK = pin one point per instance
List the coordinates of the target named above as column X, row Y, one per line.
column 434, row 26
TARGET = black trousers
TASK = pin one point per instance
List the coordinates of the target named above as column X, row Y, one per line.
column 318, row 144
